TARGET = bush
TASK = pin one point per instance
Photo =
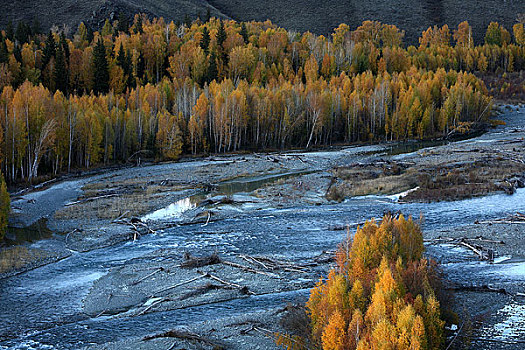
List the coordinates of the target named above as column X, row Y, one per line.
column 382, row 294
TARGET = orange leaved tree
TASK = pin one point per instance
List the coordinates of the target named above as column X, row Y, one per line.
column 382, row 293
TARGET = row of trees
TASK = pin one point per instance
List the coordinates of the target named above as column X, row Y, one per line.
column 118, row 57
column 45, row 132
column 382, row 295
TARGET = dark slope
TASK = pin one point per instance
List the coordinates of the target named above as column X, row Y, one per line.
column 413, row 16
column 316, row 16
column 94, row 12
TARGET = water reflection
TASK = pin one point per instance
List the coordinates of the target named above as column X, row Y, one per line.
column 174, row 210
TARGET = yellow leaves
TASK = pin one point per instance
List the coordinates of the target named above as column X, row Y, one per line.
column 377, row 314
column 117, row 82
column 169, row 136
column 334, row 333
column 340, row 33
column 311, row 69
column 519, row 34
column 463, row 35
column 357, row 297
column 241, row 62
column 356, row 329
column 383, row 336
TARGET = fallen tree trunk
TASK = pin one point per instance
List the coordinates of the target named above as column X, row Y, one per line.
column 177, row 285
column 147, row 276
column 242, row 289
column 186, row 335
column 90, row 199
column 249, row 269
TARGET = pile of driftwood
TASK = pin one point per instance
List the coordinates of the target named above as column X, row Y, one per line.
column 517, row 218
column 473, row 244
column 188, row 336
column 138, row 226
column 254, row 264
column 274, row 264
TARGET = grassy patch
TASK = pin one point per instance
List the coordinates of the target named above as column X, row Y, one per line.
column 19, row 257
column 449, row 181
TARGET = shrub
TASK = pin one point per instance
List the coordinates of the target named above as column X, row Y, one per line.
column 382, row 293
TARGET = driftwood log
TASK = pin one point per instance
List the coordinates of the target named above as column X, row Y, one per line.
column 186, row 335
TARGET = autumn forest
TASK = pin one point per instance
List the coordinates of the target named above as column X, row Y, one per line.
column 139, row 88
column 160, row 90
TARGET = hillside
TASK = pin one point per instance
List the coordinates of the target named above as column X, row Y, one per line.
column 94, row 12
column 302, row 15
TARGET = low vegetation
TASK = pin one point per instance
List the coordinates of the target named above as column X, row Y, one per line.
column 381, row 295
column 5, row 207
column 452, row 180
column 19, row 258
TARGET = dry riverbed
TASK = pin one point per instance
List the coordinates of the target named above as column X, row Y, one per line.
column 124, row 208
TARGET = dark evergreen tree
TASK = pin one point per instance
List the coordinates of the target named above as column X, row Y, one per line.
column 65, row 47
column 23, row 32
column 36, row 29
column 60, row 71
column 244, row 33
column 208, row 15
column 123, row 23
column 100, row 69
column 17, row 52
column 10, row 31
column 121, row 57
column 212, row 67
column 49, row 50
column 221, row 35
column 4, row 54
column 187, row 21
column 90, row 35
column 129, row 71
column 140, row 66
column 205, row 41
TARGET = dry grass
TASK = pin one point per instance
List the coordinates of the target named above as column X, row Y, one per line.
column 479, row 178
column 449, row 181
column 108, row 208
column 134, row 197
column 17, row 257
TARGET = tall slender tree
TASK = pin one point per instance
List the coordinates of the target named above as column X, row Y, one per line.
column 100, row 69
column 49, row 49
column 244, row 33
column 205, row 40
column 60, row 71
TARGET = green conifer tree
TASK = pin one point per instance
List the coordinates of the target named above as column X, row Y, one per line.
column 212, row 67
column 123, row 23
column 60, row 71
column 100, row 69
column 65, row 47
column 4, row 54
column 244, row 33
column 49, row 50
column 10, row 31
column 221, row 35
column 205, row 41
